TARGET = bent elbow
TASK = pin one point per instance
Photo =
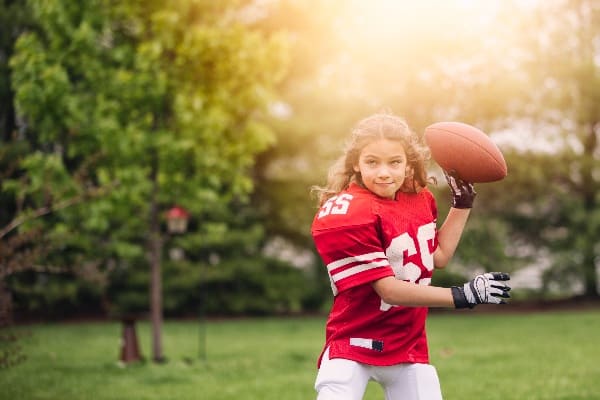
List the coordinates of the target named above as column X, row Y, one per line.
column 386, row 291
column 440, row 260
column 441, row 265
column 388, row 298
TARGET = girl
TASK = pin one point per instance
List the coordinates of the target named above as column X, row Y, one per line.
column 376, row 232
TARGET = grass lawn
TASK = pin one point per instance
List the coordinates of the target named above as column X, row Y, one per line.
column 549, row 356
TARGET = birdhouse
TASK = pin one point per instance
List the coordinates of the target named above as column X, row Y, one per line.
column 177, row 220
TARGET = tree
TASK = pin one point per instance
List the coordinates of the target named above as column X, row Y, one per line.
column 156, row 103
column 537, row 75
column 558, row 209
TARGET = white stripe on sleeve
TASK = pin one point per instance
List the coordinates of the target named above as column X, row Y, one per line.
column 367, row 262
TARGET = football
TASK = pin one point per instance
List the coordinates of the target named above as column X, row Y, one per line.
column 463, row 148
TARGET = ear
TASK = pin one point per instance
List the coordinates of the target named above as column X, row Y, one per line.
column 410, row 171
column 356, row 169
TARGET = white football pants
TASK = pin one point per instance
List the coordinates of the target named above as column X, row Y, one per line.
column 341, row 379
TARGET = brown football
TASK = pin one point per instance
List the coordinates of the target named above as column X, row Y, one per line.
column 465, row 149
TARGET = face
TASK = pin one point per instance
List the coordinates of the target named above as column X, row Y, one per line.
column 382, row 165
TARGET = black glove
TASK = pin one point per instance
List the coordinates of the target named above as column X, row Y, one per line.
column 463, row 193
column 488, row 288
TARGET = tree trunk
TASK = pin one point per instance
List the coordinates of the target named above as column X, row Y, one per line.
column 155, row 242
column 591, row 277
column 590, row 204
column 5, row 305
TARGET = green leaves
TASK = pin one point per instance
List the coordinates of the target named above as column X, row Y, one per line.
column 186, row 86
column 135, row 103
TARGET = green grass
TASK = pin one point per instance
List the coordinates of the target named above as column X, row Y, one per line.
column 547, row 356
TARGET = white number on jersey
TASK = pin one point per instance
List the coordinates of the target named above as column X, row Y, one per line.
column 336, row 205
column 410, row 271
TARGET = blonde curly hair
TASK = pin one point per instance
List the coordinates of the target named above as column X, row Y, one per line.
column 376, row 127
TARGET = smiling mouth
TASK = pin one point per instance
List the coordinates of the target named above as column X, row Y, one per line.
column 385, row 187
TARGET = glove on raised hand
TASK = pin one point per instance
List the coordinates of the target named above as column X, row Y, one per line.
column 488, row 288
column 463, row 193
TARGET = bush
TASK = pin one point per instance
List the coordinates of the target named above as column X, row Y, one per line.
column 257, row 286
column 52, row 296
column 236, row 286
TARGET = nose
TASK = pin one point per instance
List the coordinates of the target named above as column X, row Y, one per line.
column 383, row 172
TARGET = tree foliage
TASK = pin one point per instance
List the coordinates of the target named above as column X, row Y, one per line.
column 140, row 105
column 558, row 211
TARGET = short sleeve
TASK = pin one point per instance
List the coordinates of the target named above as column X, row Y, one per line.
column 353, row 255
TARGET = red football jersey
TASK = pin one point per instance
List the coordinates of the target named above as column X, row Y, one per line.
column 362, row 237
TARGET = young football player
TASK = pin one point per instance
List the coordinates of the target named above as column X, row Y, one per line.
column 376, row 232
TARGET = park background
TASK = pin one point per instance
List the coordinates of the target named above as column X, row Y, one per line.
column 115, row 113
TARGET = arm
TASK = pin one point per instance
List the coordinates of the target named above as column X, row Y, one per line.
column 449, row 235
column 488, row 288
column 463, row 195
column 397, row 292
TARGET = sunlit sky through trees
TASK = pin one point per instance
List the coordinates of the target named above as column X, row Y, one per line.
column 376, row 49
